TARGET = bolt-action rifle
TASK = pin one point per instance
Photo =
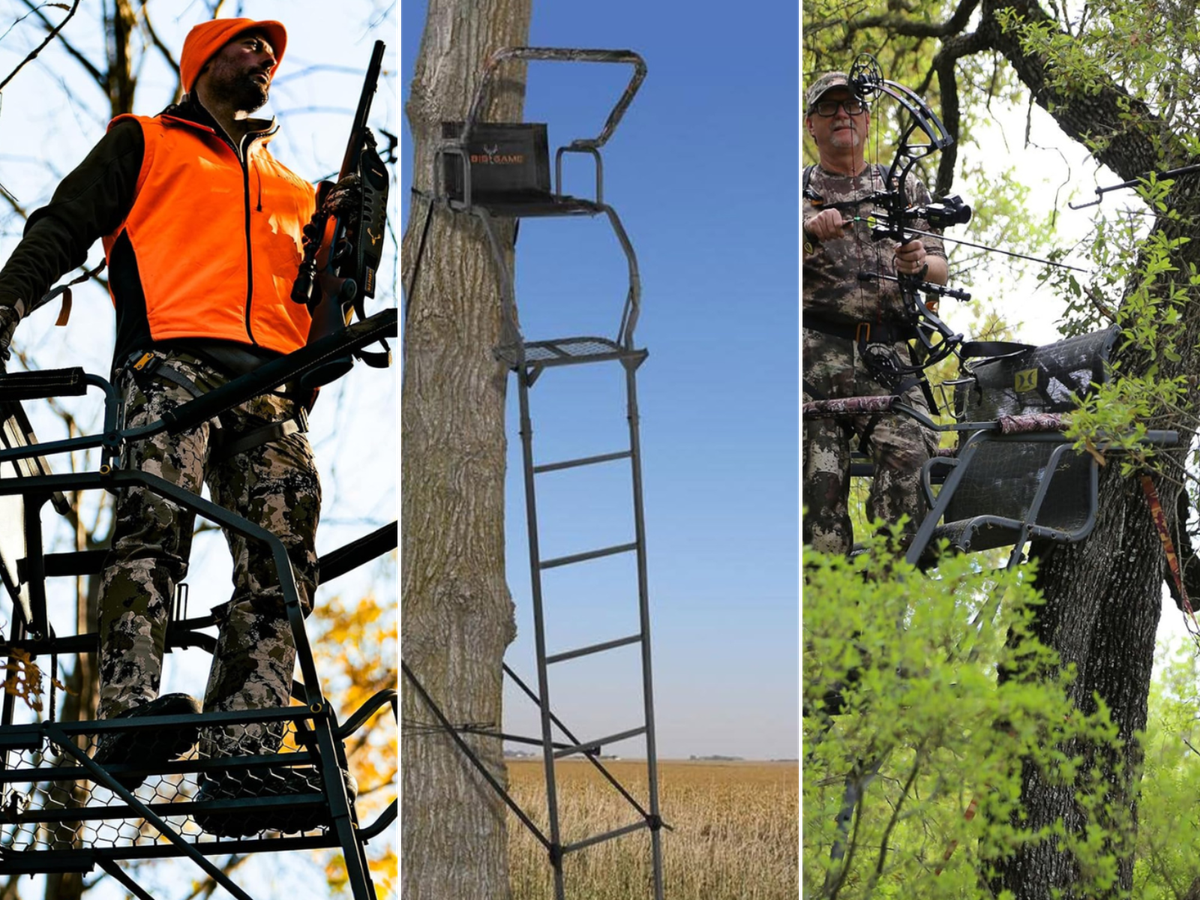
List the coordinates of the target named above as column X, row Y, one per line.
column 344, row 241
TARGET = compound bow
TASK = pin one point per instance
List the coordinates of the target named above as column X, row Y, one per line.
column 894, row 213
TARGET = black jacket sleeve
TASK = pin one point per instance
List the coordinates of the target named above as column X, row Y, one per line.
column 92, row 201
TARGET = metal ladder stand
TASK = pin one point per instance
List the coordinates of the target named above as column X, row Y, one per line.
column 61, row 810
column 470, row 193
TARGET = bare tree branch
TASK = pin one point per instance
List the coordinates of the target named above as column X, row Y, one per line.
column 67, row 45
column 42, row 46
column 157, row 42
column 15, row 204
column 944, row 64
column 896, row 24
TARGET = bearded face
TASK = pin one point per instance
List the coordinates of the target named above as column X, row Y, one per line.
column 241, row 72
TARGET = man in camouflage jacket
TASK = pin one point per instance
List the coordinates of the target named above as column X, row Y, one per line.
column 255, row 459
column 844, row 314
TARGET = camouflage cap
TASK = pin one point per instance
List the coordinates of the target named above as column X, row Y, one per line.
column 823, row 85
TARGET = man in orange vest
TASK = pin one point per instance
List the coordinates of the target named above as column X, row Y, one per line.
column 203, row 234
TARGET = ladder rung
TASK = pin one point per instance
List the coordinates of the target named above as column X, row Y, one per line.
column 607, row 836
column 599, row 742
column 581, row 557
column 584, row 461
column 594, row 648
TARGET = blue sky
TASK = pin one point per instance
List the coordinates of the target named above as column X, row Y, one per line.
column 703, row 172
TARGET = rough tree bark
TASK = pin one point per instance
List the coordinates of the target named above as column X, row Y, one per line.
column 456, row 609
column 1103, row 596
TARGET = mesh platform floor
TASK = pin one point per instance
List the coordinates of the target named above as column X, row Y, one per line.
column 565, row 351
column 50, row 802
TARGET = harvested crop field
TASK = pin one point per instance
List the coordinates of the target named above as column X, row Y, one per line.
column 736, row 831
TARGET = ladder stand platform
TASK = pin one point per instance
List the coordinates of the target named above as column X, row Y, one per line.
column 61, row 810
column 567, row 352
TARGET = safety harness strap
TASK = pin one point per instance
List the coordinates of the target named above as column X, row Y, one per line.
column 975, row 349
column 226, row 449
column 813, row 391
column 1164, row 534
column 223, row 447
column 863, row 332
column 143, row 365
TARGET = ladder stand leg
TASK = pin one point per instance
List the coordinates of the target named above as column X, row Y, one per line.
column 357, row 872
column 118, row 874
column 525, row 379
column 635, row 461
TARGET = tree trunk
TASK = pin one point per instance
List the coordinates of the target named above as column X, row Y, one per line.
column 120, row 22
column 1103, row 595
column 1101, row 616
column 79, row 702
column 457, row 614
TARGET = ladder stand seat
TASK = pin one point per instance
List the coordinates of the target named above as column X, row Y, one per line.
column 1003, row 489
column 530, row 206
column 1043, row 488
column 1014, row 476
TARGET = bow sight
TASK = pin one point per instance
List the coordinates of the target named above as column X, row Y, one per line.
column 945, row 212
column 938, row 213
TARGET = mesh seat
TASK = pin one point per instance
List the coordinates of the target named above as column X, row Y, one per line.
column 1013, row 487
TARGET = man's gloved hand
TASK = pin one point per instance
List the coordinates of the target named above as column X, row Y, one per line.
column 9, row 318
column 340, row 199
column 344, row 197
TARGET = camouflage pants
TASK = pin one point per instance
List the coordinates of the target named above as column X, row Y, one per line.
column 274, row 485
column 900, row 448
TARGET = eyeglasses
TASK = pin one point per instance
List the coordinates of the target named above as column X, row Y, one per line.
column 827, row 109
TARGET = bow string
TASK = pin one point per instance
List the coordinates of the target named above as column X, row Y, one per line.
column 921, row 135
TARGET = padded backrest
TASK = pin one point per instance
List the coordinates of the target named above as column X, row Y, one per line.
column 507, row 160
column 1038, row 380
column 1004, row 475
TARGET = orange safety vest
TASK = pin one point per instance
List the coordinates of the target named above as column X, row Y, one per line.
column 217, row 244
